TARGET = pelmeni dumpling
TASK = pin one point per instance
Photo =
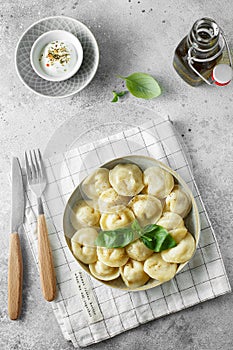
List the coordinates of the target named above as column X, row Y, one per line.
column 83, row 245
column 138, row 251
column 178, row 233
column 147, row 209
column 85, row 236
column 178, row 201
column 159, row 269
column 96, row 183
column 84, row 215
column 182, row 252
column 104, row 272
column 110, row 201
column 170, row 221
column 114, row 257
column 174, row 224
column 158, row 182
column 126, row 179
column 112, row 221
column 133, row 274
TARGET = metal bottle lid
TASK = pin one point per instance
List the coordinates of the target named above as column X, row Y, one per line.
column 222, row 74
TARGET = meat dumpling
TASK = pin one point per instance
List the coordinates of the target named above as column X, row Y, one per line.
column 158, row 182
column 147, row 209
column 178, row 233
column 110, row 201
column 96, row 183
column 114, row 257
column 174, row 224
column 104, row 272
column 138, row 251
column 126, row 179
column 84, row 215
column 178, row 201
column 83, row 245
column 133, row 274
column 182, row 252
column 170, row 221
column 159, row 269
column 112, row 221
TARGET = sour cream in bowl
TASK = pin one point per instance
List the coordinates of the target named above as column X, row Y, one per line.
column 56, row 55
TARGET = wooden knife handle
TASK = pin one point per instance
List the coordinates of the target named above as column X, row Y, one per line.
column 15, row 277
column 47, row 273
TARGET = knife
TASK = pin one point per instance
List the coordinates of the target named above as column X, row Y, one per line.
column 15, row 262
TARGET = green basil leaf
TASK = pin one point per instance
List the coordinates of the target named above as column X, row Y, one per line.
column 136, row 227
column 115, row 239
column 168, row 243
column 160, row 239
column 116, row 95
column 153, row 236
column 142, row 85
column 122, row 93
column 157, row 239
column 149, row 242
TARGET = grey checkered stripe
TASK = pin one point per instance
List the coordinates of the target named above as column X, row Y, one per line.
column 203, row 278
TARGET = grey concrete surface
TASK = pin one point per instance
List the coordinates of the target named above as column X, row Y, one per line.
column 132, row 36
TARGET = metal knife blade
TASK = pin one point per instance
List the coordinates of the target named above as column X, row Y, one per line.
column 18, row 200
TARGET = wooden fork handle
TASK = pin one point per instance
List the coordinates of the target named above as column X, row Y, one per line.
column 47, row 273
column 15, row 277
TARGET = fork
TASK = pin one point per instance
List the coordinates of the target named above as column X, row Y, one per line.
column 37, row 181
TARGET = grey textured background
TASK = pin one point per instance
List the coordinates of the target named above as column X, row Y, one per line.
column 132, row 36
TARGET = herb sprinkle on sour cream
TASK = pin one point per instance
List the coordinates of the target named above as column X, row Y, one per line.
column 57, row 58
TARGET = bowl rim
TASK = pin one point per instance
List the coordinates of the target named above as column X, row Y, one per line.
column 94, row 69
column 75, row 42
column 194, row 207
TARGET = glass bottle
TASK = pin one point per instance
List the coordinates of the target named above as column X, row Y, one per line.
column 199, row 52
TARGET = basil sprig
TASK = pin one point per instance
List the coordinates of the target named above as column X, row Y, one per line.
column 116, row 95
column 154, row 237
column 157, row 238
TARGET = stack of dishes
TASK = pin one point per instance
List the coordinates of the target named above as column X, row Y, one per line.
column 57, row 57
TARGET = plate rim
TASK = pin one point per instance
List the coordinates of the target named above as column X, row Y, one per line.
column 46, row 19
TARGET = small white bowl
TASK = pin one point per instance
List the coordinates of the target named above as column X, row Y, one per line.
column 51, row 36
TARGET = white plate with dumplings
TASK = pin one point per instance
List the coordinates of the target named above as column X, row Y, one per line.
column 112, row 197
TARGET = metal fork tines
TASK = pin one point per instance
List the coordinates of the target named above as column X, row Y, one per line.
column 36, row 175
column 37, row 181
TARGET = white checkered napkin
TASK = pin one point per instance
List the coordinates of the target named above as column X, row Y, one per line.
column 87, row 310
